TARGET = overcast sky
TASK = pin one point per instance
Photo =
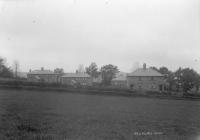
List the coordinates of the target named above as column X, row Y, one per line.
column 66, row 33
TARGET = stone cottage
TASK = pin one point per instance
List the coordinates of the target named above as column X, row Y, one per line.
column 146, row 79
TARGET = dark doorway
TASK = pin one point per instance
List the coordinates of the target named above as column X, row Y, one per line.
column 160, row 87
column 131, row 86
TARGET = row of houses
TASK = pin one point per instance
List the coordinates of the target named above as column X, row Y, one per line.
column 49, row 76
column 141, row 79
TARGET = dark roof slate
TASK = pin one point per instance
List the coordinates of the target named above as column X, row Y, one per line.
column 145, row 72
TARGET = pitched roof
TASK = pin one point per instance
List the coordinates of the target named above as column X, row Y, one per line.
column 22, row 74
column 76, row 75
column 145, row 72
column 41, row 72
column 120, row 78
column 119, row 74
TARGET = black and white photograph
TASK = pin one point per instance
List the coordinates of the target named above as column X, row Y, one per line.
column 99, row 69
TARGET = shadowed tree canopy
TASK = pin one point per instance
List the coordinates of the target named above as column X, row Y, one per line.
column 164, row 70
column 189, row 79
column 167, row 74
column 108, row 72
column 92, row 70
column 5, row 71
column 59, row 71
column 182, row 78
column 154, row 68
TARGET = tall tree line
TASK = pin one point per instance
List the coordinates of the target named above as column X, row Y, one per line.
column 107, row 72
column 5, row 71
column 182, row 79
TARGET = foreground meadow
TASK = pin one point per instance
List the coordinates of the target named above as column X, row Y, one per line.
column 30, row 115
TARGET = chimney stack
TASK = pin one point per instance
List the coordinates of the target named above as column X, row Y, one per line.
column 144, row 66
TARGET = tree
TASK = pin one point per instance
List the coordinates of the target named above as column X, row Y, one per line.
column 59, row 71
column 186, row 78
column 168, row 75
column 154, row 68
column 5, row 71
column 16, row 68
column 171, row 80
column 80, row 69
column 164, row 70
column 177, row 78
column 108, row 72
column 92, row 70
column 189, row 79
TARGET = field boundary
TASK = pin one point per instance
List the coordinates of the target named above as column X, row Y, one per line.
column 126, row 93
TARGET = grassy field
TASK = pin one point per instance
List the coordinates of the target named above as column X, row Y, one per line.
column 30, row 115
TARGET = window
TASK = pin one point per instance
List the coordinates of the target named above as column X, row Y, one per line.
column 131, row 86
column 153, row 86
column 160, row 87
